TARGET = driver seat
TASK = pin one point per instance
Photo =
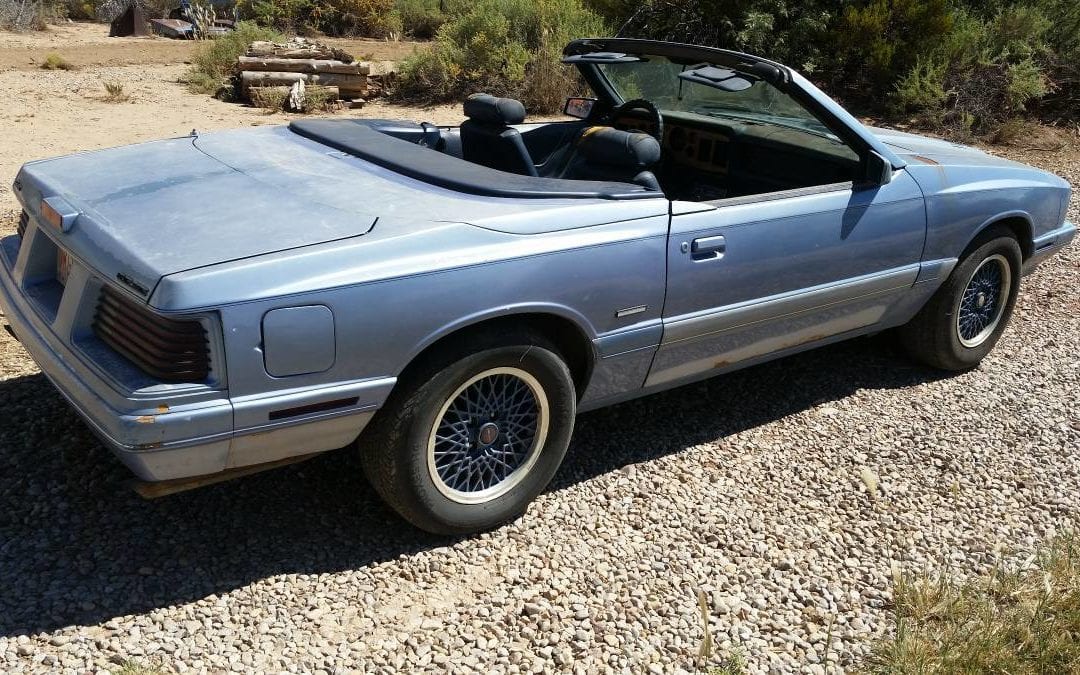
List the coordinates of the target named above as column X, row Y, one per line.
column 488, row 140
column 609, row 154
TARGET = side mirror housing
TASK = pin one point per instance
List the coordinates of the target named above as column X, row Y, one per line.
column 579, row 107
column 876, row 170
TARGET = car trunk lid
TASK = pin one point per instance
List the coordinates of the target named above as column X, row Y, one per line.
column 148, row 210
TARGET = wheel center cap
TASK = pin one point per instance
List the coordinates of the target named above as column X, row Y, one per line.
column 488, row 433
column 980, row 300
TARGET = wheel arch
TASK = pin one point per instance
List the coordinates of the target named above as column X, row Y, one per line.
column 1019, row 222
column 564, row 328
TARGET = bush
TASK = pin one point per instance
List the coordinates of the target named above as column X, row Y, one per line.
column 420, row 19
column 372, row 18
column 883, row 38
column 214, row 63
column 984, row 74
column 503, row 47
column 54, row 61
column 114, row 92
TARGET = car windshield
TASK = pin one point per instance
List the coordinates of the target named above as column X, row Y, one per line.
column 656, row 78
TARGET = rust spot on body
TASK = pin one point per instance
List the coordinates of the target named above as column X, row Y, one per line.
column 145, row 419
column 163, row 408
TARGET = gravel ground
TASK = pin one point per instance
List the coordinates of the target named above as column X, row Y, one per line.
column 749, row 487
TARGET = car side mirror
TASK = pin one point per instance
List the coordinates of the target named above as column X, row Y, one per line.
column 876, row 170
column 579, row 107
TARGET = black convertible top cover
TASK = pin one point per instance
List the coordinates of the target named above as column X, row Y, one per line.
column 362, row 140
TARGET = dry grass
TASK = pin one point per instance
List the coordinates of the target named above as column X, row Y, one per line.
column 275, row 99
column 114, row 92
column 215, row 61
column 320, row 99
column 1020, row 621
column 270, row 99
column 54, row 61
column 131, row 667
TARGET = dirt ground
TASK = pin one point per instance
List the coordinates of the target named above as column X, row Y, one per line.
column 55, row 112
column 746, row 489
column 88, row 45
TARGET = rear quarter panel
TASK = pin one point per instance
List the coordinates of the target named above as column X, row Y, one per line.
column 394, row 294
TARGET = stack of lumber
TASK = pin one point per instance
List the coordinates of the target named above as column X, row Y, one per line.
column 269, row 64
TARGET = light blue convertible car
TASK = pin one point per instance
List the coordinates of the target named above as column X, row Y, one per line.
column 453, row 297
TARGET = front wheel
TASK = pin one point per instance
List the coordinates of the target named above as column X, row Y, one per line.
column 473, row 435
column 964, row 319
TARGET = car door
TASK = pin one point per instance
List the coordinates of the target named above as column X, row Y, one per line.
column 755, row 276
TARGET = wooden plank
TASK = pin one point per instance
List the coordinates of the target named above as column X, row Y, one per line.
column 297, row 51
column 276, row 79
column 268, row 64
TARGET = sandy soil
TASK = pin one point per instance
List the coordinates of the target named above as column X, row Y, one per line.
column 49, row 113
column 89, row 44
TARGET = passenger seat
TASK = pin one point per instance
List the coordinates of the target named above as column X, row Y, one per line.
column 488, row 140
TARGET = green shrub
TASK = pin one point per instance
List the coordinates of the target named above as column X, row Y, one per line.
column 882, row 38
column 372, row 18
column 983, row 74
column 214, row 62
column 922, row 89
column 503, row 47
column 420, row 18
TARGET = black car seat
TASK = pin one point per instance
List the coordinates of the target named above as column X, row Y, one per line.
column 606, row 153
column 488, row 140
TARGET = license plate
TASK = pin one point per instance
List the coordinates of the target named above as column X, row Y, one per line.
column 63, row 267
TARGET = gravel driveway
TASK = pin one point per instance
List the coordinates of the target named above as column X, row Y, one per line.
column 749, row 487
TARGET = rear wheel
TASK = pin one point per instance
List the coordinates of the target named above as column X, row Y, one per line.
column 473, row 434
column 966, row 316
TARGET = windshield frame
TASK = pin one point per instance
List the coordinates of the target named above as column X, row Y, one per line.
column 840, row 122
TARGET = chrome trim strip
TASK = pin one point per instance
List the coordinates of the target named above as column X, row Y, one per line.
column 630, row 311
column 621, row 342
column 932, row 270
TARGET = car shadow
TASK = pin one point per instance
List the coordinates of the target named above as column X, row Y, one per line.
column 77, row 546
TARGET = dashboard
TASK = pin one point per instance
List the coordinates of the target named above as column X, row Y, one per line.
column 707, row 159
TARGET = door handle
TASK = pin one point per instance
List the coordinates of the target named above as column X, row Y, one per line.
column 708, row 248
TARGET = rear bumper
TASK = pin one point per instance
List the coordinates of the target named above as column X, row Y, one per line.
column 1049, row 244
column 169, row 437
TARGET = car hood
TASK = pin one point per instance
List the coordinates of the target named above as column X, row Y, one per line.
column 914, row 148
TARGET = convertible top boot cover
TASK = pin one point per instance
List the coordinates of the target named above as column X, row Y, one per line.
column 360, row 139
column 488, row 140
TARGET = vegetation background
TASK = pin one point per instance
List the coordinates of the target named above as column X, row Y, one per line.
column 962, row 67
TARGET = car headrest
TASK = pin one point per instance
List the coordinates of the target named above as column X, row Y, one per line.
column 493, row 110
column 606, row 145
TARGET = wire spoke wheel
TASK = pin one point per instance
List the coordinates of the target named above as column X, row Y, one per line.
column 488, row 435
column 983, row 301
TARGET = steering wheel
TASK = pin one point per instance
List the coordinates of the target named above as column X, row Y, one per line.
column 649, row 107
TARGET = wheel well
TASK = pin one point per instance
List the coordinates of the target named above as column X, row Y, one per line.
column 571, row 341
column 1021, row 228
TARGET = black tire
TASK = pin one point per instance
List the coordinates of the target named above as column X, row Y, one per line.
column 395, row 447
column 933, row 336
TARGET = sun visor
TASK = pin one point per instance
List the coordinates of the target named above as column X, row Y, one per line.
column 604, row 57
column 724, row 79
